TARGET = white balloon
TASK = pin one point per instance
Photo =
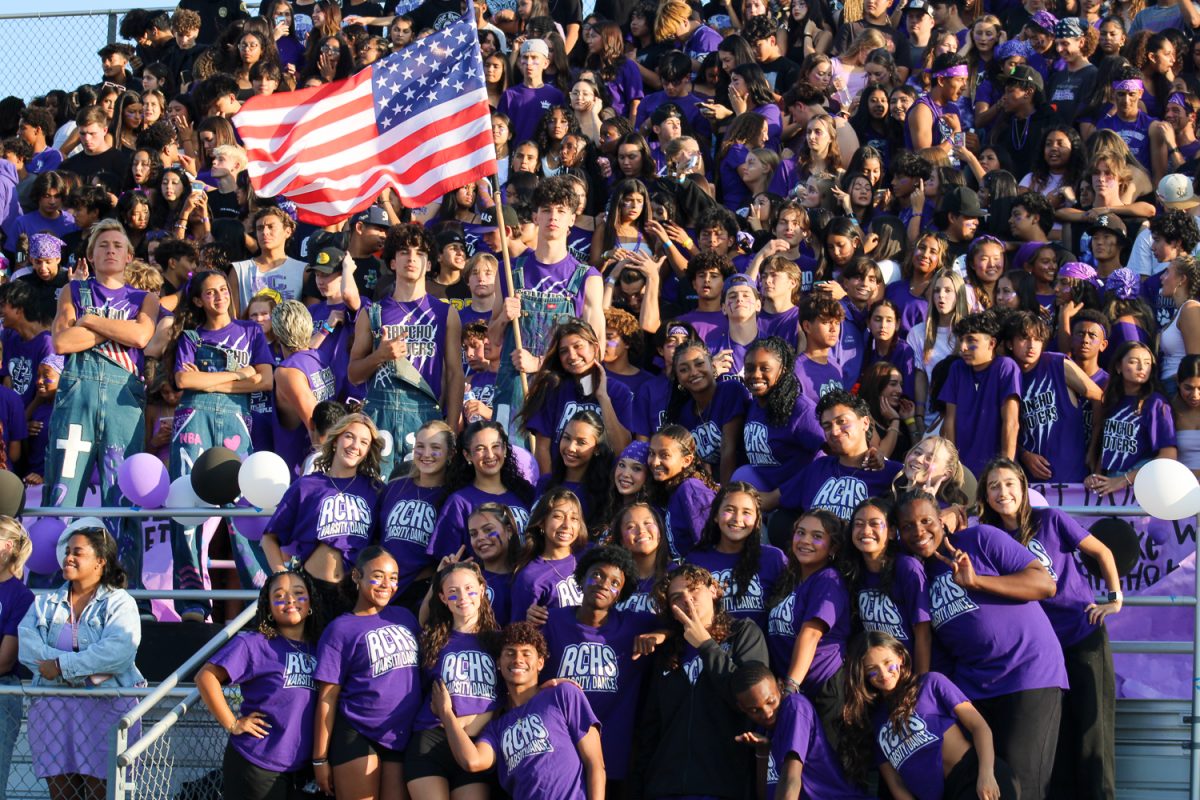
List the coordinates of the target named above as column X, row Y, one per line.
column 263, row 479
column 181, row 495
column 1167, row 489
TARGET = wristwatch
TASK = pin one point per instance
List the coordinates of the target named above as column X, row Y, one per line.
column 1113, row 597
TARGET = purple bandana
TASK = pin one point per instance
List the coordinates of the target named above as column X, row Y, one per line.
column 1123, row 283
column 1179, row 100
column 45, row 245
column 1014, row 47
column 1131, row 85
column 961, row 71
column 1079, row 271
column 636, row 451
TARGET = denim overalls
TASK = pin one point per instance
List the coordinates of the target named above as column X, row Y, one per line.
column 540, row 313
column 99, row 420
column 398, row 411
column 204, row 420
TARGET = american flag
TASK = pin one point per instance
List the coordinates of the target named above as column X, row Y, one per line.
column 417, row 120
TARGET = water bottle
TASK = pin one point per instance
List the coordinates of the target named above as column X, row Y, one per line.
column 468, row 396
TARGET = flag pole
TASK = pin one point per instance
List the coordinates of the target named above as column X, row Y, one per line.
column 501, row 228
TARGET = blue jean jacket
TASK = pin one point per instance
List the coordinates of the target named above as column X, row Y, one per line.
column 110, row 630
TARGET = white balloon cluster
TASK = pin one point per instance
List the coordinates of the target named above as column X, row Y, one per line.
column 1167, row 489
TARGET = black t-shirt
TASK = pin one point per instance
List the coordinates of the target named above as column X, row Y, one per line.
column 782, row 73
column 849, row 32
column 567, row 12
column 223, row 205
column 436, row 14
column 616, row 10
column 85, row 166
column 214, row 16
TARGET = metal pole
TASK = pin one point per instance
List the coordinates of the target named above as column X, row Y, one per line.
column 1194, row 724
column 112, row 26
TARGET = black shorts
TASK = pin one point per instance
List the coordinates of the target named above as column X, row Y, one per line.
column 347, row 744
column 248, row 781
column 330, row 599
column 429, row 756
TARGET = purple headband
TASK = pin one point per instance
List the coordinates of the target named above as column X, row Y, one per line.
column 1123, row 283
column 1131, row 85
column 1025, row 252
column 1179, row 100
column 1079, row 271
column 636, row 451
column 959, row 71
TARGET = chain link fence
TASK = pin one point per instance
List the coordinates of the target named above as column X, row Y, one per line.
column 183, row 763
column 53, row 50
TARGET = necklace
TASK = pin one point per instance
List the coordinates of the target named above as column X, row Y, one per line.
column 342, row 488
column 1020, row 145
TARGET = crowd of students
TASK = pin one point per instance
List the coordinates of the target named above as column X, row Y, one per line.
column 688, row 457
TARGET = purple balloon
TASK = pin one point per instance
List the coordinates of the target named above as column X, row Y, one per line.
column 252, row 528
column 143, row 480
column 44, row 534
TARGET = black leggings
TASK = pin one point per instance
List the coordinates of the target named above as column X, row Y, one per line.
column 1084, row 768
column 960, row 783
column 1025, row 730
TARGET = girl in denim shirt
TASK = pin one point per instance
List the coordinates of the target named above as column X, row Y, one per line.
column 84, row 635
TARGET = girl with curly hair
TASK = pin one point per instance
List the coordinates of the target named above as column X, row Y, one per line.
column 680, row 486
column 886, row 696
column 584, row 464
column 781, row 434
column 270, row 738
column 327, row 516
column 483, row 470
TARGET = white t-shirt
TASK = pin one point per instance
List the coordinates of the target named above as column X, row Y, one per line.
column 287, row 279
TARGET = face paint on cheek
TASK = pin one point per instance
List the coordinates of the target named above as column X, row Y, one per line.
column 893, row 668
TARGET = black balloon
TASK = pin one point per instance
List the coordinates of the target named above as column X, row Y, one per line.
column 12, row 494
column 1118, row 536
column 215, row 476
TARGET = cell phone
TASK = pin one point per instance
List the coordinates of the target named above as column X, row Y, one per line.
column 958, row 139
column 198, row 188
column 281, row 19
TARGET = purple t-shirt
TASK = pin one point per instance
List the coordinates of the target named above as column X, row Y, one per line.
column 705, row 322
column 785, row 325
column 335, row 350
column 549, row 583
column 901, row 357
column 1136, row 134
column 734, row 192
column 627, row 87
column 1055, row 542
column 423, row 322
column 650, row 407
column 407, row 516
column 798, row 734
column 566, row 401
column 977, row 396
column 294, row 444
column 15, row 600
column 999, row 646
column 728, row 403
column 535, row 744
column 227, row 349
column 318, row 509
column 600, row 660
column 375, row 660
column 22, row 358
column 525, row 107
column 898, row 608
column 1052, row 420
column 553, row 279
column 642, row 600
column 828, row 484
column 469, row 672
column 123, row 303
column 686, row 512
column 916, row 753
column 704, row 40
column 451, row 532
column 499, row 593
column 777, row 452
column 913, row 309
column 719, row 339
column 749, row 602
column 276, row 677
column 1130, row 437
column 823, row 596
